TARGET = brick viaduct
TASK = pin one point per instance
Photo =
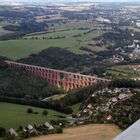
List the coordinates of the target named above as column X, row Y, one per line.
column 67, row 80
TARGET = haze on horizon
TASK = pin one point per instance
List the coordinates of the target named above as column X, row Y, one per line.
column 46, row 1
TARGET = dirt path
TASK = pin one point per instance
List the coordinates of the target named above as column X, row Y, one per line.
column 87, row 132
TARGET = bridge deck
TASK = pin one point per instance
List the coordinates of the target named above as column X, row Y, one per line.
column 67, row 80
column 61, row 71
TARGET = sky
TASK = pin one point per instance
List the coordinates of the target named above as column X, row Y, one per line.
column 69, row 0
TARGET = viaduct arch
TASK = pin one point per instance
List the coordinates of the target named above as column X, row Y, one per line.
column 67, row 80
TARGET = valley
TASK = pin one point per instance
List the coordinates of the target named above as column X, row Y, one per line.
column 68, row 70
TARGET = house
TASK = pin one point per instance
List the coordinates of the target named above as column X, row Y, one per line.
column 93, row 95
column 24, row 130
column 13, row 132
column 85, row 111
column 114, row 100
column 117, row 90
column 90, row 113
column 89, row 106
column 100, row 19
column 49, row 126
column 108, row 104
column 109, row 117
column 122, row 96
column 138, row 24
column 78, row 115
column 30, row 127
column 109, row 91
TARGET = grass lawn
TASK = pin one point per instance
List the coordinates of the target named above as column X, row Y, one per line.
column 76, row 107
column 122, row 72
column 91, row 35
column 2, row 30
column 13, row 115
column 68, row 34
column 60, row 96
column 16, row 49
column 2, row 24
column 72, row 25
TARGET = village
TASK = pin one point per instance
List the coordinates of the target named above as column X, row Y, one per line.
column 34, row 130
column 103, row 101
column 73, row 63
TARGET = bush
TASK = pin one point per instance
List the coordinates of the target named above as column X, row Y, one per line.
column 2, row 131
column 74, row 115
column 59, row 130
column 20, row 128
column 29, row 110
column 45, row 112
column 36, row 113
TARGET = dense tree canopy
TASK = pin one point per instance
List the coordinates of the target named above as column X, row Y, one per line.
column 18, row 86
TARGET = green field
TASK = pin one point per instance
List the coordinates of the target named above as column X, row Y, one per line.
column 76, row 107
column 72, row 25
column 138, row 6
column 12, row 115
column 68, row 34
column 122, row 72
column 16, row 49
column 2, row 24
column 2, row 30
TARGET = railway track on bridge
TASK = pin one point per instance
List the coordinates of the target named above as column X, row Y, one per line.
column 60, row 78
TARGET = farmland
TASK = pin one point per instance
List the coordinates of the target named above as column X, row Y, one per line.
column 3, row 24
column 11, row 111
column 122, row 71
column 133, row 28
column 26, row 46
column 87, row 132
column 2, row 30
column 72, row 24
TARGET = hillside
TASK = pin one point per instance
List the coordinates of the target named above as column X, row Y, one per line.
column 18, row 86
column 62, row 59
column 11, row 111
column 116, row 103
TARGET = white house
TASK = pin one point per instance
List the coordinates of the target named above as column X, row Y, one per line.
column 13, row 132
column 49, row 126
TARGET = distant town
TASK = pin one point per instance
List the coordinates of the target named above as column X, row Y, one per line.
column 67, row 64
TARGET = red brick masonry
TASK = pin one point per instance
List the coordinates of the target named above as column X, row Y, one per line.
column 59, row 78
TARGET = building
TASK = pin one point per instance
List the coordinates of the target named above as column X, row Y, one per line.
column 13, row 132
column 49, row 126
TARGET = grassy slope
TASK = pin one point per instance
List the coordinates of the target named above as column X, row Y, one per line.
column 2, row 24
column 91, row 35
column 73, row 24
column 68, row 33
column 16, row 49
column 2, row 30
column 76, row 107
column 12, row 115
column 122, row 72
